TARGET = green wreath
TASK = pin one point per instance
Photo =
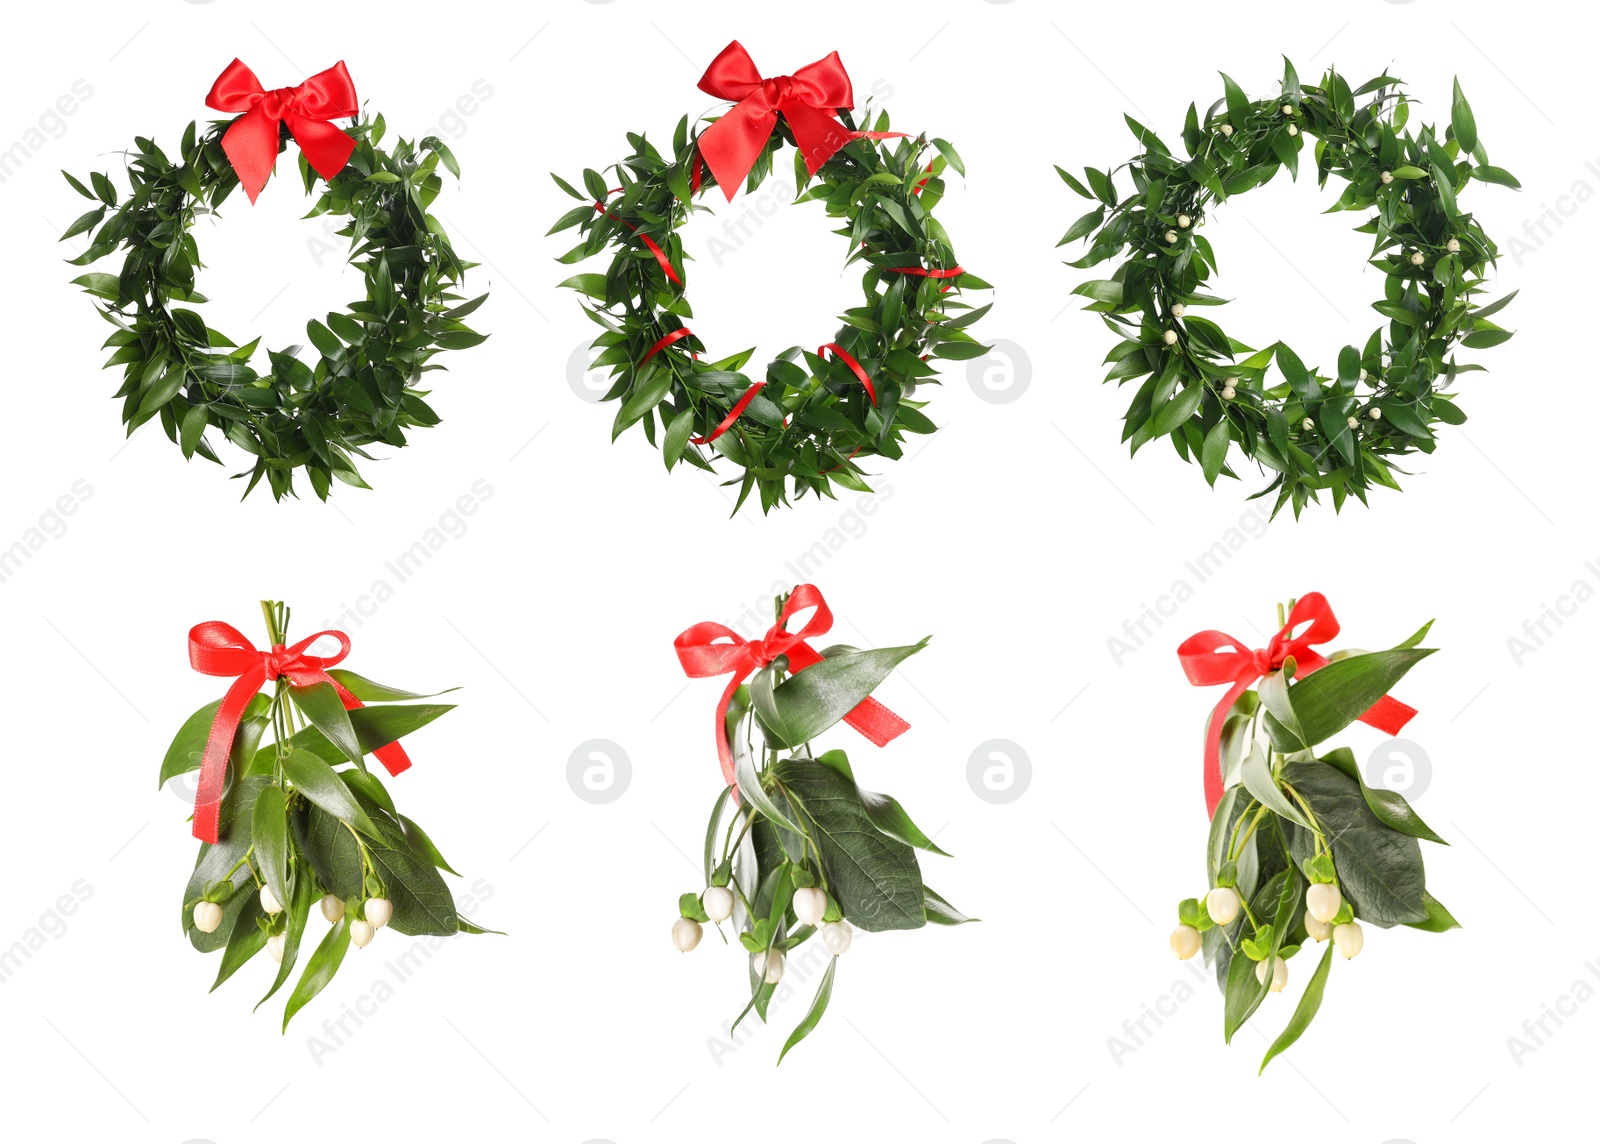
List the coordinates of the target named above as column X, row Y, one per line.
column 815, row 415
column 363, row 388
column 1315, row 432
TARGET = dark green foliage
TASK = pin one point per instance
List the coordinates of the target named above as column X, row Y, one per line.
column 1298, row 427
column 362, row 389
column 813, row 422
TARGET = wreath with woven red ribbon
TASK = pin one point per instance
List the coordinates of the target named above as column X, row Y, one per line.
column 813, row 418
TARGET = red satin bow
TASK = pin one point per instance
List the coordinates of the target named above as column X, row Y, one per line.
column 251, row 143
column 702, row 658
column 809, row 100
column 1211, row 658
column 216, row 648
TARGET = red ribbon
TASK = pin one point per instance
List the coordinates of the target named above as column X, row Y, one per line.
column 855, row 367
column 216, row 648
column 661, row 256
column 703, row 658
column 251, row 143
column 1211, row 658
column 809, row 100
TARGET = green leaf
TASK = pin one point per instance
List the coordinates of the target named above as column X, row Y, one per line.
column 1462, row 122
column 320, row 969
column 1310, row 1002
column 299, row 910
column 1498, row 175
column 890, row 817
column 1238, row 102
column 872, row 876
column 374, row 727
column 321, row 704
column 1179, row 409
column 1380, row 870
column 940, row 912
column 1330, row 699
column 245, row 940
column 1256, row 775
column 369, row 692
column 315, row 779
column 194, row 427
column 1436, row 919
column 819, row 1006
column 269, row 833
column 812, row 700
column 1390, row 806
column 422, row 844
column 950, row 156
column 1214, row 452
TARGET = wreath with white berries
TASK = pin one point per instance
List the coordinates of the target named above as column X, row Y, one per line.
column 813, row 417
column 1208, row 392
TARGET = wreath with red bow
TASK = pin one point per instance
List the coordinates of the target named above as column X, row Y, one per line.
column 812, row 418
column 364, row 387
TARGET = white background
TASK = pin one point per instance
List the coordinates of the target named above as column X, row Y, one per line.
column 1022, row 536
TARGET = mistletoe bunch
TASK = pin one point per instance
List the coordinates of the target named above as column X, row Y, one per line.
column 1302, row 850
column 811, row 417
column 363, row 388
column 306, row 828
column 796, row 849
column 1209, row 392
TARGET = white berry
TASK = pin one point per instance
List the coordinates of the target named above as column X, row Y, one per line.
column 1226, row 129
column 685, row 934
column 1293, row 130
column 378, row 911
column 837, row 936
column 1348, row 939
column 1317, row 930
column 769, row 963
column 1170, row 337
column 269, row 901
column 1280, row 974
column 361, row 933
column 1183, row 220
column 1387, row 177
column 717, row 902
column 1223, row 904
column 810, row 904
column 1177, row 309
column 1375, row 413
column 207, row 916
column 1352, row 422
column 332, row 908
column 1185, row 942
column 1363, row 375
column 275, row 946
column 1416, row 258
column 1323, row 899
column 1453, row 246
column 1228, row 393
column 1307, row 425
column 1171, row 236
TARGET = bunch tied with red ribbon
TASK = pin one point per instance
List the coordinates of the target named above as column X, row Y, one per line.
column 807, row 423
column 295, row 829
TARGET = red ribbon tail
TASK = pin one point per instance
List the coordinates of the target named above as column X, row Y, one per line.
column 816, row 132
column 875, row 721
column 1213, row 762
column 392, row 755
column 325, row 146
column 725, row 748
column 219, row 743
column 251, row 145
column 1389, row 715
